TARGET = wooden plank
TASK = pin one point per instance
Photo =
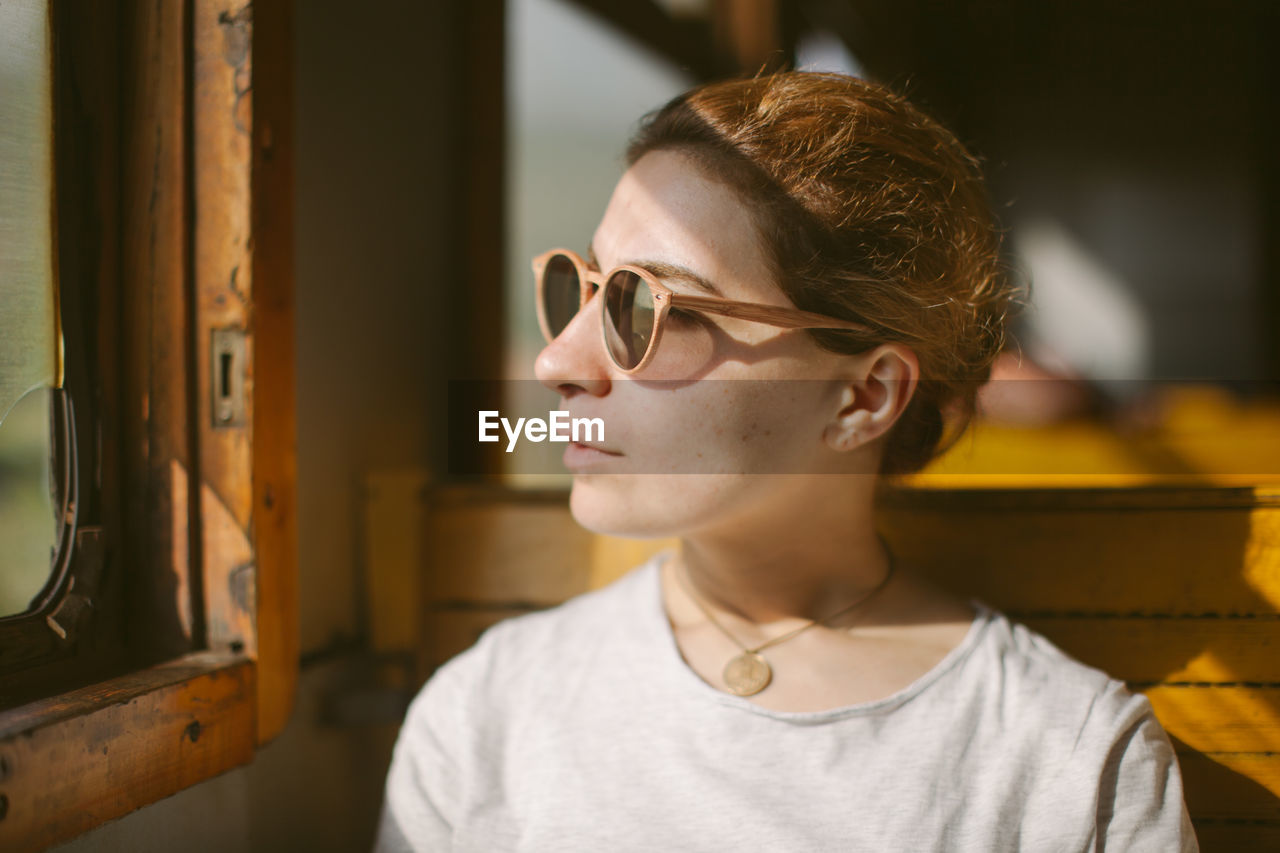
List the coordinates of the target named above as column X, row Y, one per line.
column 495, row 532
column 895, row 494
column 223, row 273
column 447, row 633
column 512, row 552
column 612, row 557
column 1220, row 719
column 73, row 762
column 1045, row 561
column 685, row 42
column 1205, row 433
column 479, row 199
column 747, row 35
column 156, row 453
column 394, row 553
column 1218, row 837
column 1145, row 650
column 454, row 496
column 275, row 464
column 1231, row 786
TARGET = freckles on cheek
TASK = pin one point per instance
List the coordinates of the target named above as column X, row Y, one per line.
column 722, row 426
column 779, row 430
column 754, row 431
column 754, row 415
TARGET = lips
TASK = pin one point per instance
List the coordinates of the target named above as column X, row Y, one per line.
column 582, row 458
column 588, row 447
column 596, row 447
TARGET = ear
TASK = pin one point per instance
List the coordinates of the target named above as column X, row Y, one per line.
column 873, row 395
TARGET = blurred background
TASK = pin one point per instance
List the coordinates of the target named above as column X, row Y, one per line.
column 1130, row 150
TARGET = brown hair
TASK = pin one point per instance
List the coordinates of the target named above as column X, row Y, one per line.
column 869, row 210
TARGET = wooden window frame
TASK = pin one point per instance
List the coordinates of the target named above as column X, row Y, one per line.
column 189, row 192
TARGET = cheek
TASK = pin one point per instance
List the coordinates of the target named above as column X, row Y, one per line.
column 688, row 349
column 693, row 429
column 725, row 426
column 760, row 426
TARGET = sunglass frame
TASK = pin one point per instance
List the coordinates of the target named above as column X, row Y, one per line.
column 664, row 299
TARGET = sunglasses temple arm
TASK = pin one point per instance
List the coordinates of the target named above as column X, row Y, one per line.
column 782, row 317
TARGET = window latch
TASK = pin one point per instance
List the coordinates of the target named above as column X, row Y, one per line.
column 228, row 380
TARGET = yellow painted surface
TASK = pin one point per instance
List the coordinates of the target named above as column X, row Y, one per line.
column 1205, row 434
column 612, row 557
column 1220, row 719
column 1188, row 649
column 507, row 552
column 1222, row 560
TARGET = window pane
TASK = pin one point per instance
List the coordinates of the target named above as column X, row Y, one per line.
column 576, row 88
column 28, row 516
column 29, row 339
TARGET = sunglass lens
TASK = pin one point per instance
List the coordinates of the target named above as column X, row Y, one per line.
column 629, row 318
column 561, row 293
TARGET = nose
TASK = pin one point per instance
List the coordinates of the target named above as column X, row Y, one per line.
column 576, row 361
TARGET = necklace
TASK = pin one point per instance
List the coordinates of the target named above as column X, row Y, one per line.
column 749, row 673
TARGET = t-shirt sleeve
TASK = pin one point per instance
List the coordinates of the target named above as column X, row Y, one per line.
column 1140, row 799
column 425, row 778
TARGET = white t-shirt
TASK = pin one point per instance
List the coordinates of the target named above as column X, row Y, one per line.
column 582, row 728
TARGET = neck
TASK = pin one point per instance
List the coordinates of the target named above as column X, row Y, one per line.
column 804, row 563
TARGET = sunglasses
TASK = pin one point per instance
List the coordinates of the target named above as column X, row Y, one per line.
column 635, row 306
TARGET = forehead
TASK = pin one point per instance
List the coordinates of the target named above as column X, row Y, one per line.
column 666, row 209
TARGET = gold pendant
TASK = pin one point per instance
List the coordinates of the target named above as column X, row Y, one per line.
column 747, row 674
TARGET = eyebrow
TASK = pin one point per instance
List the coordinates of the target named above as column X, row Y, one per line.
column 667, row 271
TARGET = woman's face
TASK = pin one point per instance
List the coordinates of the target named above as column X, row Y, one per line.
column 689, row 440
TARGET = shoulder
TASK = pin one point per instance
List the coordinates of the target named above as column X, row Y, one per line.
column 1029, row 661
column 1081, row 706
column 1088, row 712
column 1086, row 732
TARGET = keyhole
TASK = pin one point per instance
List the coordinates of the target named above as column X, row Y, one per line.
column 226, row 385
column 225, row 375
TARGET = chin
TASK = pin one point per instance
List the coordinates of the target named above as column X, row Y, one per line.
column 609, row 505
column 651, row 506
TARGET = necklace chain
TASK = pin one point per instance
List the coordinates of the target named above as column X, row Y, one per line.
column 787, row 636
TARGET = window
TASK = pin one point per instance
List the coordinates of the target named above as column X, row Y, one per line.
column 177, row 650
column 30, row 511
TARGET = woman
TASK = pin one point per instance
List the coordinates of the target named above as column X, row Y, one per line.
column 777, row 682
